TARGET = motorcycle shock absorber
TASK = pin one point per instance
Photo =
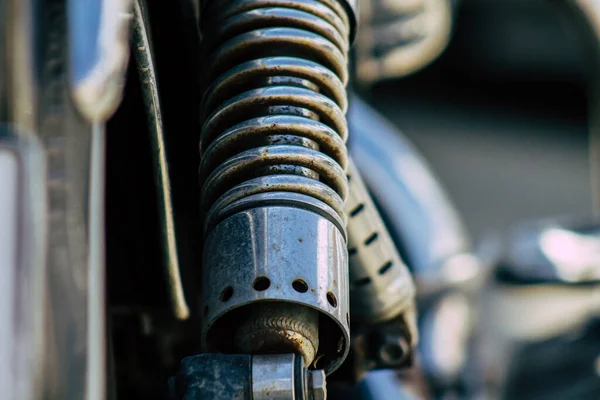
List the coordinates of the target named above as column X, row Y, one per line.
column 275, row 267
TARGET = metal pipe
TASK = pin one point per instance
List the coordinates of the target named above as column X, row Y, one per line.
column 146, row 69
column 96, row 331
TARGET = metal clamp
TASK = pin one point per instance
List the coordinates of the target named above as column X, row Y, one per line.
column 281, row 377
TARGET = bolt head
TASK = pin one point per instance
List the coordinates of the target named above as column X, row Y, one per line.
column 393, row 350
column 318, row 385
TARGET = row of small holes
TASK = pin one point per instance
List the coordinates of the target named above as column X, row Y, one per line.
column 362, row 281
column 226, row 293
column 331, row 299
column 352, row 251
column 262, row 283
column 371, row 238
column 300, row 286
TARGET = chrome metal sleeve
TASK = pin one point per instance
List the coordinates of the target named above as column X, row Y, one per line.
column 273, row 377
column 381, row 286
column 282, row 256
column 245, row 377
column 282, row 377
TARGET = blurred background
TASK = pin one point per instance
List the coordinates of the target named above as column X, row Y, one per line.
column 501, row 116
column 500, row 113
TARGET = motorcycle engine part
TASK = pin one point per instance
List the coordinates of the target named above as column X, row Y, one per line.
column 273, row 178
column 245, row 377
column 381, row 287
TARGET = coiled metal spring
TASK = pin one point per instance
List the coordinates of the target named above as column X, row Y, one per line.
column 274, row 108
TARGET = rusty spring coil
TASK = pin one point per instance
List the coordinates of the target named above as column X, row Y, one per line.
column 274, row 108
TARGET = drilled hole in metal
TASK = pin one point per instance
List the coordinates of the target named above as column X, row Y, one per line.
column 226, row 293
column 385, row 268
column 300, row 286
column 362, row 281
column 332, row 299
column 352, row 252
column 357, row 210
column 261, row 283
column 371, row 238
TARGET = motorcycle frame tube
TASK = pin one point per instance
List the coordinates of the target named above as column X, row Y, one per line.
column 24, row 291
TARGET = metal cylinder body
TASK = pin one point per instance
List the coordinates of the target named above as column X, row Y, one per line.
column 273, row 178
column 288, row 265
